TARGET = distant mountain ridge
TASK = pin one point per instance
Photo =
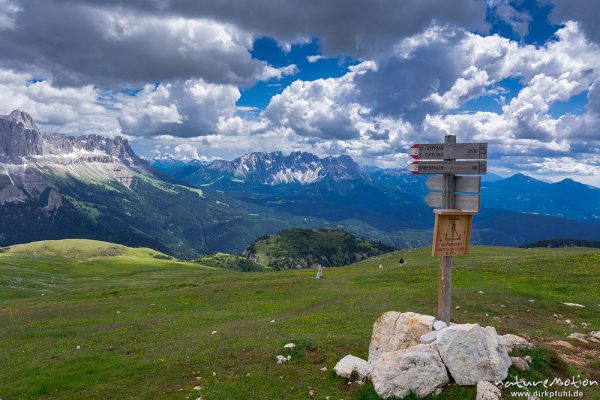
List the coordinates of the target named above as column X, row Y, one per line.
column 54, row 186
column 268, row 168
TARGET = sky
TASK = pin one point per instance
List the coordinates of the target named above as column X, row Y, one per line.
column 365, row 78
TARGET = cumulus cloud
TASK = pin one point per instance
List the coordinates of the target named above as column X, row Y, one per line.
column 314, row 58
column 72, row 110
column 186, row 109
column 359, row 28
column 78, row 44
column 586, row 12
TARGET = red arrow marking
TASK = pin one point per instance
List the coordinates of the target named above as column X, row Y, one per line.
column 413, row 167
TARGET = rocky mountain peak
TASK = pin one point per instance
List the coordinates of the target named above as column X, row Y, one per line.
column 297, row 167
column 23, row 118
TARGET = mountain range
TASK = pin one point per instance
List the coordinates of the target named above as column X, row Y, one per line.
column 54, row 186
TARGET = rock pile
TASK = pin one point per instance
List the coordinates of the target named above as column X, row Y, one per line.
column 414, row 353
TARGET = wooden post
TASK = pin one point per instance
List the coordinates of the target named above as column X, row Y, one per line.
column 445, row 289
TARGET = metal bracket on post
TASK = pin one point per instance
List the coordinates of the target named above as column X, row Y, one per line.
column 445, row 289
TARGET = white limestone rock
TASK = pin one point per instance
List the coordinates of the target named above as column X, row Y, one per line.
column 473, row 353
column 487, row 391
column 439, row 325
column 520, row 363
column 576, row 305
column 349, row 364
column 418, row 369
column 514, row 342
column 397, row 331
column 429, row 337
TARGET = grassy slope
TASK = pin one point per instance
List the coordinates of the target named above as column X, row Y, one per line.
column 144, row 325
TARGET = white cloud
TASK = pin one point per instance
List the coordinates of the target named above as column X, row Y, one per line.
column 71, row 110
column 186, row 109
column 315, row 58
column 270, row 72
column 8, row 13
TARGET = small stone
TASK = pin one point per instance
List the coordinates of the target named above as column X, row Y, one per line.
column 213, row 332
column 289, row 346
column 288, row 358
column 528, row 359
column 78, row 347
column 458, row 307
column 198, row 378
column 272, row 321
column 531, row 300
column 514, row 342
column 280, row 359
column 579, row 336
column 520, row 363
column 214, row 373
column 439, row 325
column 481, row 292
column 349, row 364
column 487, row 391
column 502, row 306
column 323, row 369
column 562, row 343
column 311, row 393
column 574, row 305
column 380, row 266
column 197, row 388
column 118, row 312
column 438, row 391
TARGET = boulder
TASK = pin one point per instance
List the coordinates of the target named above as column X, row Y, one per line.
column 418, row 369
column 520, row 363
column 397, row 331
column 487, row 391
column 514, row 342
column 349, row 364
column 473, row 353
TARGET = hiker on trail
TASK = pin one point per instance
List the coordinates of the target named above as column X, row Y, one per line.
column 319, row 271
column 401, row 261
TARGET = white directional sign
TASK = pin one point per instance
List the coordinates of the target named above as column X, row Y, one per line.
column 455, row 151
column 448, row 167
column 466, row 202
column 462, row 183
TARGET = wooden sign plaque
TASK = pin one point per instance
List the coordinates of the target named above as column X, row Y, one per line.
column 451, row 233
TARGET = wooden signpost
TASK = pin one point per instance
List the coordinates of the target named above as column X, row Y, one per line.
column 455, row 199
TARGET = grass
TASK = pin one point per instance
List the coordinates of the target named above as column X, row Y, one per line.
column 144, row 325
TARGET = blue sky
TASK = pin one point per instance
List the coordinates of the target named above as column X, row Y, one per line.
column 355, row 77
